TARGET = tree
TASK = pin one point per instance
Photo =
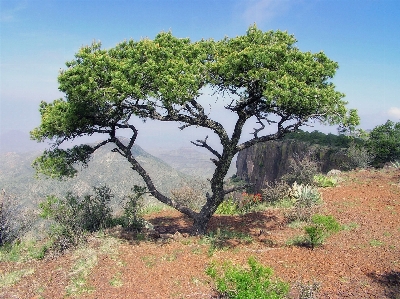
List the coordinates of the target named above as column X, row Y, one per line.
column 384, row 142
column 266, row 76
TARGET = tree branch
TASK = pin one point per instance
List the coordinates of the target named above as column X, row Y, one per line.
column 125, row 152
column 203, row 143
column 236, row 188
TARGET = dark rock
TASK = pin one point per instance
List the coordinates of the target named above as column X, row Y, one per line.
column 269, row 161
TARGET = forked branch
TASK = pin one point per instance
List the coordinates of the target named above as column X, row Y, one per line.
column 203, row 143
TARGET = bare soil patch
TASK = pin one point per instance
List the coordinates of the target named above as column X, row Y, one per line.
column 361, row 261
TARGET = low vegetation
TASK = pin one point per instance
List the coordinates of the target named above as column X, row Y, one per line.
column 255, row 282
column 73, row 219
column 15, row 220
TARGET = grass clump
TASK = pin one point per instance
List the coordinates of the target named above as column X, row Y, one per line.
column 245, row 203
column 86, row 260
column 11, row 278
column 255, row 282
column 23, row 251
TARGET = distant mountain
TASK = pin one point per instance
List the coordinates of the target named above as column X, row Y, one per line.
column 17, row 176
column 190, row 161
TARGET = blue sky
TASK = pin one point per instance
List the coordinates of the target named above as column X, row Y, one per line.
column 38, row 36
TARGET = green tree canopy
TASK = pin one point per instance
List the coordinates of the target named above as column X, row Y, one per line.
column 267, row 77
column 384, row 142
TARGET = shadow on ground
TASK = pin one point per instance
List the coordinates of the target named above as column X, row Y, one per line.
column 390, row 281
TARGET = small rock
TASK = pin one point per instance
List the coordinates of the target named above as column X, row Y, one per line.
column 177, row 236
column 166, row 236
column 333, row 172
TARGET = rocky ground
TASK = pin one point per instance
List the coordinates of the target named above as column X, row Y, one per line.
column 360, row 261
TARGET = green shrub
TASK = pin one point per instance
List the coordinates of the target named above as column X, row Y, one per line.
column 72, row 216
column 324, row 181
column 322, row 227
column 96, row 210
column 235, row 282
column 131, row 218
column 384, row 143
column 244, row 204
column 227, row 207
column 358, row 157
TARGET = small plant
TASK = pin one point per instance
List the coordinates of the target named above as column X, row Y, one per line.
column 315, row 235
column 227, row 207
column 305, row 199
column 325, row 181
column 149, row 260
column 375, row 243
column 235, row 282
column 244, row 204
column 131, row 218
column 249, row 202
column 321, row 228
column 308, row 291
column 116, row 281
column 275, row 192
column 395, row 164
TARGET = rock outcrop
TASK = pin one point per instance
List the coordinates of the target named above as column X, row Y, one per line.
column 269, row 161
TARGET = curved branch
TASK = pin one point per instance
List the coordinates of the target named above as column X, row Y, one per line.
column 125, row 152
column 203, row 143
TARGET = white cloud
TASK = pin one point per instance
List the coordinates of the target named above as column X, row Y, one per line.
column 258, row 11
column 394, row 112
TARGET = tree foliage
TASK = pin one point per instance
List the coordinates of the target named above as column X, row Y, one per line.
column 266, row 76
column 384, row 142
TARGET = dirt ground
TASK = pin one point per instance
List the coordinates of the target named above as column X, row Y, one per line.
column 361, row 261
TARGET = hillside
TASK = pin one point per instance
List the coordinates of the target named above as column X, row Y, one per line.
column 17, row 176
column 360, row 261
column 190, row 161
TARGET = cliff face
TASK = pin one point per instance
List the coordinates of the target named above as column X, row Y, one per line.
column 267, row 162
